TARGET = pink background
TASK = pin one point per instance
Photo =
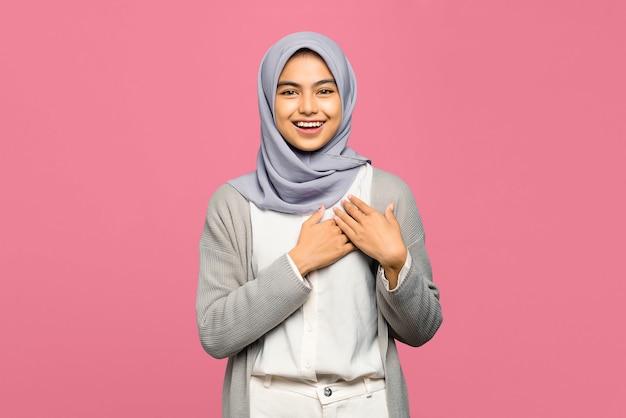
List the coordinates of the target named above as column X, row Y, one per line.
column 118, row 119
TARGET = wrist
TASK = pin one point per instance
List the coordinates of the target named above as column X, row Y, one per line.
column 392, row 277
column 299, row 261
column 395, row 264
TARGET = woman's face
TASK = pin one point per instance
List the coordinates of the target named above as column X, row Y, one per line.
column 307, row 107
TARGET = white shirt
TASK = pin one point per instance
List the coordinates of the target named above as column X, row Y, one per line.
column 333, row 336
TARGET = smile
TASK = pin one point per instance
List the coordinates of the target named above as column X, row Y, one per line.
column 306, row 125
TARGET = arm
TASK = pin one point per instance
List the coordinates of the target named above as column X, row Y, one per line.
column 233, row 308
column 412, row 310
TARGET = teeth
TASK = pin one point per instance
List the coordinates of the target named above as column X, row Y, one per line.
column 309, row 124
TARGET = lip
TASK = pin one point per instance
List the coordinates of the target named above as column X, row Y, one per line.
column 308, row 131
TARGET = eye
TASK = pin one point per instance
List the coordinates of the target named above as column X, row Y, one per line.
column 326, row 91
column 287, row 93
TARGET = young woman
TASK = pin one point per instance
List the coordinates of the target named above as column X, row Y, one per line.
column 313, row 265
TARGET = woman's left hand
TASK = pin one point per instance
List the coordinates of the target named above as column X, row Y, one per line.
column 376, row 235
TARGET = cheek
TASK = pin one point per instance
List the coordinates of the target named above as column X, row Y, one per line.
column 335, row 109
column 336, row 115
column 283, row 111
column 282, row 127
column 280, row 115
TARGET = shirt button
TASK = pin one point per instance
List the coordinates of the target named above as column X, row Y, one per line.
column 307, row 364
column 328, row 391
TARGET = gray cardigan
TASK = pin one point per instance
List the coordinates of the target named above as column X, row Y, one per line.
column 237, row 306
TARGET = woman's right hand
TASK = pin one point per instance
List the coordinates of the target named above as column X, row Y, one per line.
column 319, row 244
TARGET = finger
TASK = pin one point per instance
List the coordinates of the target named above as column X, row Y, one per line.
column 361, row 205
column 316, row 216
column 343, row 225
column 349, row 247
column 346, row 218
column 352, row 210
column 332, row 226
column 389, row 215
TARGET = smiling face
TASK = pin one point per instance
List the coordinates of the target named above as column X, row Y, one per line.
column 307, row 107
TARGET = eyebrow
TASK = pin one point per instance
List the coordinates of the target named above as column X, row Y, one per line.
column 317, row 83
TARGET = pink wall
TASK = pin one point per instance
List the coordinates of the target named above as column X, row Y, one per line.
column 118, row 119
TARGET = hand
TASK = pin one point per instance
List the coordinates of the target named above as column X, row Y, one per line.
column 376, row 235
column 319, row 244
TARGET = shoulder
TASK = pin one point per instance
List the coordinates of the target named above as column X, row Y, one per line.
column 387, row 187
column 227, row 197
column 385, row 178
column 227, row 219
column 228, row 205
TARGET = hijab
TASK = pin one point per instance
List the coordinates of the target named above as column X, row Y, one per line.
column 289, row 180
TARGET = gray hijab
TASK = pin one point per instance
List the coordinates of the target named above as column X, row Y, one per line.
column 289, row 180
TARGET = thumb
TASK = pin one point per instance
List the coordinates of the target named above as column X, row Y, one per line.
column 316, row 216
column 389, row 212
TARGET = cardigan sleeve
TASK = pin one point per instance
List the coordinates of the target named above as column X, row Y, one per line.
column 412, row 310
column 234, row 306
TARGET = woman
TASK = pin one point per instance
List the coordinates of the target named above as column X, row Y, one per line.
column 313, row 265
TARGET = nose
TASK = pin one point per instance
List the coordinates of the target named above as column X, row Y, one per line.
column 307, row 104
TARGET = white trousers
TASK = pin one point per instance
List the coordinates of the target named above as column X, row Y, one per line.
column 276, row 397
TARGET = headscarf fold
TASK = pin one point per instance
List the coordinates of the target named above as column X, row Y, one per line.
column 289, row 180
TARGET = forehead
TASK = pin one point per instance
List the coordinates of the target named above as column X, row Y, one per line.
column 305, row 65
